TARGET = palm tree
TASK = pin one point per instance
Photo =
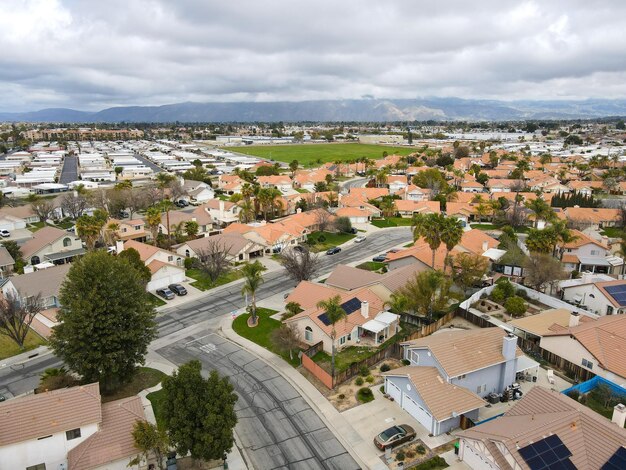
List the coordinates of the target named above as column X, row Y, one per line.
column 397, row 303
column 246, row 211
column 163, row 181
column 451, row 234
column 541, row 209
column 334, row 313
column 166, row 206
column 387, row 206
column 429, row 227
column 153, row 220
column 252, row 281
column 111, row 232
column 382, row 176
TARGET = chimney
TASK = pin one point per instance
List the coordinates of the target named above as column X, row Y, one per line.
column 365, row 309
column 298, row 210
column 574, row 319
column 586, row 277
column 509, row 344
column 619, row 415
column 119, row 246
column 485, row 246
column 221, row 209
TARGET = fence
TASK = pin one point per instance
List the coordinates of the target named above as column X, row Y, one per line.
column 317, row 371
column 589, row 385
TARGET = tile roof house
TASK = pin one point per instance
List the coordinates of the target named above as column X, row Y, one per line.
column 587, row 254
column 599, row 297
column 544, row 426
column 68, row 428
column 583, row 217
column 408, row 208
column 478, row 361
column 51, row 244
column 6, row 262
column 178, row 219
column 134, row 229
column 166, row 267
column 238, row 247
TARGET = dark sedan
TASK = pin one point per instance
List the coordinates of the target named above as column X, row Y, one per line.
column 333, row 250
column 380, row 258
column 177, row 289
column 165, row 293
column 394, row 436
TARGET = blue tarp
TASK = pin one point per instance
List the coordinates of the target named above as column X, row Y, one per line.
column 589, row 385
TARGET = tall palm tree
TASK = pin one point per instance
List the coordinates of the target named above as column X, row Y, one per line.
column 246, row 211
column 334, row 313
column 166, row 206
column 153, row 219
column 429, row 227
column 111, row 233
column 253, row 278
column 451, row 234
column 382, row 176
column 163, row 181
column 541, row 209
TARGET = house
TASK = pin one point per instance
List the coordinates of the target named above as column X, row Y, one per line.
column 601, row 298
column 25, row 213
column 7, row 263
column 179, row 219
column 51, row 244
column 367, row 323
column 397, row 183
column 584, row 217
column 68, row 428
column 586, row 188
column 10, row 222
column 414, row 193
column 45, row 282
column 306, row 179
column 355, row 214
column 198, row 192
column 472, row 186
column 545, row 426
column 588, row 348
column 586, row 254
column 281, row 182
column 461, row 368
column 166, row 267
column 238, row 247
column 408, row 207
column 133, row 229
column 347, row 278
column 222, row 212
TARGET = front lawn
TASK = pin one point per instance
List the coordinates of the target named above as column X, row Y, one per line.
column 612, row 232
column 8, row 347
column 329, row 239
column 156, row 301
column 157, row 399
column 344, row 358
column 371, row 266
column 36, row 226
column 392, row 222
column 144, row 377
column 262, row 333
column 203, row 282
column 485, row 226
column 302, row 191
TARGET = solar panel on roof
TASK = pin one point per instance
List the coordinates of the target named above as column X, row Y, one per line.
column 617, row 460
column 549, row 453
column 618, row 293
column 351, row 305
column 324, row 319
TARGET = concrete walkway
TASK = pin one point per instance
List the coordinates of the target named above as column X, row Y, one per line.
column 39, row 351
column 363, row 452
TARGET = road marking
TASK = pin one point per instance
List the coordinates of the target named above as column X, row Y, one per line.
column 208, row 348
column 197, row 339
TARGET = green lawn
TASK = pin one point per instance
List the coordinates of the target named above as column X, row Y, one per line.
column 310, row 154
column 36, row 226
column 612, row 232
column 302, row 191
column 392, row 222
column 436, row 463
column 157, row 399
column 344, row 358
column 65, row 224
column 331, row 239
column 8, row 347
column 203, row 282
column 156, row 301
column 145, row 377
column 261, row 334
column 371, row 266
column 485, row 226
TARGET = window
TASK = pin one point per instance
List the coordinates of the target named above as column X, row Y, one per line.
column 124, row 230
column 594, row 252
column 187, row 254
column 308, row 333
column 587, row 364
column 72, row 434
column 609, row 310
column 137, row 227
column 342, row 340
column 415, row 358
column 41, row 466
column 481, row 388
column 67, row 241
column 170, row 258
column 461, row 377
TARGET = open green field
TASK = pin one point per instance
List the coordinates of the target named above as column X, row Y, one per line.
column 315, row 154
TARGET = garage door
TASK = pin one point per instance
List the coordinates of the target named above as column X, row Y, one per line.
column 165, row 279
column 394, row 391
column 417, row 411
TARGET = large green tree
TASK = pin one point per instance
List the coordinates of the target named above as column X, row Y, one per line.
column 427, row 293
column 105, row 324
column 198, row 413
column 253, row 278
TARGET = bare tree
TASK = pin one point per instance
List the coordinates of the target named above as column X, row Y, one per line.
column 43, row 208
column 100, row 199
column 214, row 259
column 74, row 205
column 541, row 270
column 152, row 195
column 286, row 339
column 16, row 315
column 176, row 190
column 300, row 264
column 136, row 200
column 322, row 219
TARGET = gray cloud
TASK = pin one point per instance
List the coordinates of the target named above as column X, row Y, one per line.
column 90, row 54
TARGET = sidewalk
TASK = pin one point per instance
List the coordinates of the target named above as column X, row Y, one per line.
column 363, row 452
column 38, row 352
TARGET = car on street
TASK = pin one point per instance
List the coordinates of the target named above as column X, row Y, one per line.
column 5, row 233
column 380, row 258
column 165, row 293
column 360, row 238
column 333, row 250
column 181, row 203
column 393, row 250
column 394, row 436
column 177, row 289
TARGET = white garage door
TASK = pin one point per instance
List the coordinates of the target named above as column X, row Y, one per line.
column 165, row 279
column 394, row 391
column 417, row 411
column 474, row 460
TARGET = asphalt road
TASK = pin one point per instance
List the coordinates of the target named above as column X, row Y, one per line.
column 276, row 427
column 156, row 168
column 69, row 172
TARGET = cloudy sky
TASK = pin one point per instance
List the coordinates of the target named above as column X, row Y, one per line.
column 91, row 54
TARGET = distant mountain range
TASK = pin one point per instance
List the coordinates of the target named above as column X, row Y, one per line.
column 366, row 110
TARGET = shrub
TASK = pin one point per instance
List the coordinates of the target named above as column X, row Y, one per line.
column 400, row 456
column 321, row 239
column 385, row 368
column 369, row 379
column 341, row 396
column 343, row 224
column 522, row 293
column 420, row 449
column 573, row 394
column 364, row 371
column 497, row 295
column 410, row 454
column 365, row 395
column 382, row 389
column 358, row 381
column 405, row 362
column 515, row 306
column 188, row 263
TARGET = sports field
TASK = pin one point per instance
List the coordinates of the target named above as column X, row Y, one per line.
column 310, row 154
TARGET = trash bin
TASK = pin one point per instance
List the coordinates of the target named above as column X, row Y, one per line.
column 534, row 378
column 456, row 448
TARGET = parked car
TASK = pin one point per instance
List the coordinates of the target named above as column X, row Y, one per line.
column 72, row 229
column 177, row 289
column 299, row 248
column 5, row 233
column 124, row 214
column 353, row 231
column 333, row 250
column 394, row 436
column 181, row 203
column 380, row 258
column 165, row 293
column 360, row 238
column 393, row 250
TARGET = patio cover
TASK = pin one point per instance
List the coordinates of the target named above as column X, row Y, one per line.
column 374, row 326
column 524, row 363
column 65, row 254
column 386, row 317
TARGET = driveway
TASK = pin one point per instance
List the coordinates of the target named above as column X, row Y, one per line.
column 19, row 235
column 69, row 172
column 192, row 294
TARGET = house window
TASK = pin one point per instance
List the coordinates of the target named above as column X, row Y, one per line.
column 481, row 388
column 124, row 230
column 587, row 364
column 72, row 434
column 342, row 340
column 609, row 310
column 170, row 258
column 594, row 252
column 415, row 357
column 41, row 466
column 67, row 241
column 137, row 227
column 187, row 254
column 461, row 377
column 308, row 333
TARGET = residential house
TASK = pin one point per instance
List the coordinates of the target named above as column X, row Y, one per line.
column 348, row 278
column 477, row 362
column 10, row 222
column 7, row 263
column 133, row 229
column 222, row 212
column 68, row 428
column 589, row 348
column 53, row 245
column 503, row 185
column 408, row 208
column 587, row 254
column 545, row 429
column 472, row 186
column 179, row 219
column 306, row 179
column 273, row 237
column 414, row 193
column 356, row 215
column 367, row 323
column 230, row 184
column 586, row 188
column 601, row 298
column 397, row 183
column 198, row 192
column 369, row 194
column 281, row 182
column 238, row 247
column 166, row 267
column 585, row 217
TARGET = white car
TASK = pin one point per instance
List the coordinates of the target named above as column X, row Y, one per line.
column 360, row 238
column 5, row 233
